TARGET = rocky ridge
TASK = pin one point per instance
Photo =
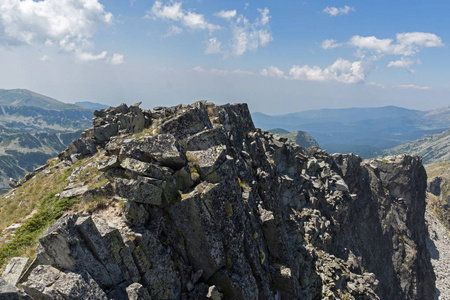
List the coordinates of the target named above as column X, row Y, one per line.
column 211, row 207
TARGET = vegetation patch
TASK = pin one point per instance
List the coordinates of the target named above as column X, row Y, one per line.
column 26, row 236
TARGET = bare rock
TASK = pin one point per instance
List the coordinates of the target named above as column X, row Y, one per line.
column 14, row 270
column 47, row 282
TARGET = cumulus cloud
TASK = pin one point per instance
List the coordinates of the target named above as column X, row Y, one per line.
column 407, row 44
column 412, row 86
column 341, row 71
column 175, row 12
column 336, row 11
column 248, row 36
column 226, row 14
column 330, row 44
column 272, row 72
column 68, row 24
column 116, row 59
column 404, row 64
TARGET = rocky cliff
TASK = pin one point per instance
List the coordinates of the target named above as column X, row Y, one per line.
column 199, row 204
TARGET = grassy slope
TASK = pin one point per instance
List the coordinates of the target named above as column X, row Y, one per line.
column 35, row 206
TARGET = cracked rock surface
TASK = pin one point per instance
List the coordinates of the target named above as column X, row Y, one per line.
column 215, row 208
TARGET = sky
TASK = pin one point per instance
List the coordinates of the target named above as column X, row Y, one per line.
column 277, row 56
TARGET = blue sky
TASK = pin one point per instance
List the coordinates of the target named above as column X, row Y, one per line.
column 278, row 56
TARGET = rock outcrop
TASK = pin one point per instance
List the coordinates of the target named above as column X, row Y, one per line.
column 214, row 208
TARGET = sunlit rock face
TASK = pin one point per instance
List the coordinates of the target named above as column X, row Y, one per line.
column 215, row 208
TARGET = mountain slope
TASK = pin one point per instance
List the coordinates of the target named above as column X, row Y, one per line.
column 34, row 128
column 360, row 130
column 189, row 201
column 433, row 148
column 92, row 105
column 21, row 153
column 22, row 97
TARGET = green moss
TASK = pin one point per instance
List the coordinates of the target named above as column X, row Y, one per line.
column 50, row 209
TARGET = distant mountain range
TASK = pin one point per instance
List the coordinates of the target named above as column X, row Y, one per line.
column 34, row 128
column 363, row 131
column 92, row 105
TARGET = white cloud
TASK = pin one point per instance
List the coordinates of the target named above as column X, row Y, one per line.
column 173, row 30
column 221, row 72
column 341, row 71
column 86, row 56
column 407, row 44
column 404, row 64
column 330, row 44
column 412, row 86
column 226, row 14
column 248, row 36
column 199, row 69
column 213, row 46
column 68, row 24
column 116, row 59
column 272, row 72
column 336, row 11
column 175, row 12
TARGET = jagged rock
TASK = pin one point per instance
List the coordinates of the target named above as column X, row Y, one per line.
column 144, row 169
column 104, row 191
column 143, row 190
column 47, row 282
column 101, row 250
column 14, row 270
column 63, row 247
column 206, row 139
column 136, row 291
column 10, row 292
column 196, row 224
column 111, row 163
column 80, row 148
column 434, row 186
column 135, row 214
column 211, row 201
column 208, row 161
column 187, row 122
column 75, row 192
column 163, row 148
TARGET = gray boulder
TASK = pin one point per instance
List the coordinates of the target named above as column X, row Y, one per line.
column 142, row 190
column 47, row 282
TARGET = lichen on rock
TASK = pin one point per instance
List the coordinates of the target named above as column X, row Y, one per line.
column 216, row 208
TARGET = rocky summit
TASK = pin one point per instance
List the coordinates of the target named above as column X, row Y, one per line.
column 203, row 205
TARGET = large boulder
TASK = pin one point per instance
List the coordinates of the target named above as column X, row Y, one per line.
column 47, row 282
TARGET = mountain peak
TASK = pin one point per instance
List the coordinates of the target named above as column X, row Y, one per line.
column 24, row 97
